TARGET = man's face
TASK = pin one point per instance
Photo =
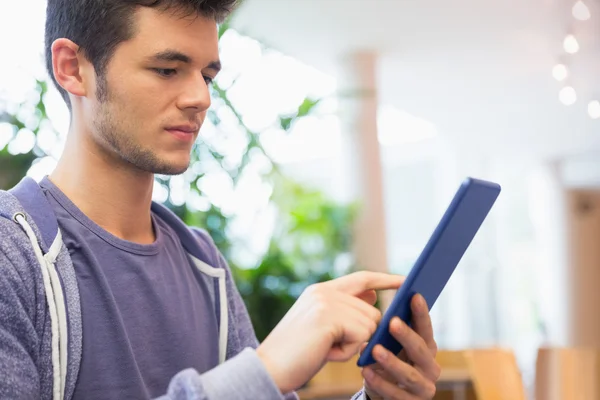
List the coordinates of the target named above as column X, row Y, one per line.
column 154, row 94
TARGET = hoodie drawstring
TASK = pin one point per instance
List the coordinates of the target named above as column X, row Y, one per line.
column 56, row 304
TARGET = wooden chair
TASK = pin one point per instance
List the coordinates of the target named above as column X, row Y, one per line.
column 455, row 381
column 341, row 380
column 334, row 380
column 495, row 374
column 451, row 359
column 567, row 374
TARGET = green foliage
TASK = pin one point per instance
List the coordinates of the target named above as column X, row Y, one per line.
column 286, row 121
column 312, row 233
column 31, row 116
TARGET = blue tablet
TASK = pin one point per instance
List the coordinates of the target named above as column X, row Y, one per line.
column 432, row 270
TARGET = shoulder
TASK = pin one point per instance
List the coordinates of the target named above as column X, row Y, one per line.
column 207, row 246
column 19, row 269
column 203, row 237
column 15, row 245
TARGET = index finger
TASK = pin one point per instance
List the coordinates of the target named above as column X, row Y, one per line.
column 359, row 282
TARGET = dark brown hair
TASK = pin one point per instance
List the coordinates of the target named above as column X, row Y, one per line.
column 98, row 26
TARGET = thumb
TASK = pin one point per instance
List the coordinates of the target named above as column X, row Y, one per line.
column 369, row 297
column 343, row 352
column 363, row 347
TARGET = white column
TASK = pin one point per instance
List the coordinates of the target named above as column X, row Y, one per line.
column 548, row 216
column 362, row 160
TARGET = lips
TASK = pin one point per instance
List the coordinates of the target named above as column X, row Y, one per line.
column 184, row 132
column 185, row 128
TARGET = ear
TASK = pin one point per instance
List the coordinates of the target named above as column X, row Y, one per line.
column 70, row 67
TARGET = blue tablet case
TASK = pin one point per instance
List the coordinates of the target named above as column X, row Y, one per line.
column 432, row 270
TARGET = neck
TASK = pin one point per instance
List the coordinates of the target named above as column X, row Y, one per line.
column 112, row 193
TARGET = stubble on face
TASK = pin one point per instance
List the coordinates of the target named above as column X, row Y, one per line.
column 118, row 136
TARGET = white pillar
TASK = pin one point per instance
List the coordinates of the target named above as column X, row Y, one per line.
column 362, row 160
column 549, row 214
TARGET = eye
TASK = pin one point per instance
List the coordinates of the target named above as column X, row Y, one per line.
column 208, row 80
column 165, row 72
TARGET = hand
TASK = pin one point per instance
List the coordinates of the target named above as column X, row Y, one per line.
column 329, row 322
column 413, row 373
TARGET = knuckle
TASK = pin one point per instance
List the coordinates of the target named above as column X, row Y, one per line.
column 430, row 391
column 315, row 292
column 437, row 372
column 363, row 334
column 372, row 328
column 310, row 289
column 374, row 381
column 377, row 315
column 320, row 306
column 319, row 295
column 423, row 351
column 412, row 378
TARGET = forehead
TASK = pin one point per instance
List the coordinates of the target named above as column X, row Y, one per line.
column 156, row 30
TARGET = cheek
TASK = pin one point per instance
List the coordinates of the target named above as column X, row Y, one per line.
column 134, row 108
column 148, row 104
column 139, row 105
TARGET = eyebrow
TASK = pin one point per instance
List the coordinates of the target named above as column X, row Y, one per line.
column 174, row 55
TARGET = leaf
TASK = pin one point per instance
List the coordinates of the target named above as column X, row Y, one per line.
column 217, row 156
column 307, row 106
column 224, row 27
column 285, row 122
column 213, row 117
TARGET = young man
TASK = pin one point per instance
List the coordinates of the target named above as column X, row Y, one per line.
column 107, row 295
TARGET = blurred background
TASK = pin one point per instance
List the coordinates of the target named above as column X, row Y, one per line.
column 339, row 132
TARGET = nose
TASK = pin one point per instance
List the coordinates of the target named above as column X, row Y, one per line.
column 195, row 95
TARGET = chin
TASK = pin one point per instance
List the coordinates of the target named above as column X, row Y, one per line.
column 164, row 167
column 169, row 163
column 171, row 169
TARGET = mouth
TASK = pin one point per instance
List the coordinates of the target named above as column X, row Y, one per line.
column 184, row 132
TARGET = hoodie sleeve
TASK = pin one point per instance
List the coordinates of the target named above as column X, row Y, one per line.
column 242, row 377
column 18, row 338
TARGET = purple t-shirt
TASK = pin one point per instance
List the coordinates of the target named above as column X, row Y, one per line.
column 146, row 315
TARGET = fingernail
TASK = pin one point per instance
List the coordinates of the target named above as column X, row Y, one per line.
column 380, row 353
column 398, row 325
column 421, row 303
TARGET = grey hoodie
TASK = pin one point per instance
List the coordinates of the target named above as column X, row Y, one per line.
column 40, row 314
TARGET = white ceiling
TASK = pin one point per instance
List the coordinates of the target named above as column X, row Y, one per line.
column 479, row 70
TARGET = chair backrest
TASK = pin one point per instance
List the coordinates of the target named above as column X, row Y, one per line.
column 334, row 380
column 339, row 373
column 495, row 374
column 452, row 359
column 567, row 374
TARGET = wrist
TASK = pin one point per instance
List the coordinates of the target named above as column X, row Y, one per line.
column 272, row 370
